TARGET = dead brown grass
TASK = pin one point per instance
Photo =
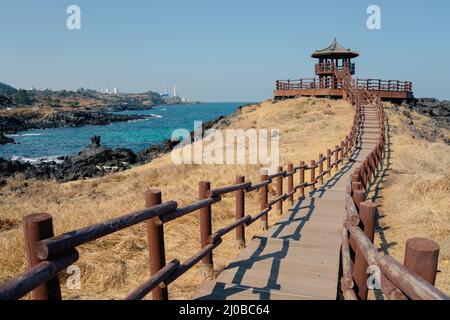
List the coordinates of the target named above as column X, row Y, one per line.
column 112, row 266
column 415, row 197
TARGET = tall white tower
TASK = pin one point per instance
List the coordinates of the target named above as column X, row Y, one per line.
column 174, row 91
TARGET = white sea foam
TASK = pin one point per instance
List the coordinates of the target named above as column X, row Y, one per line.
column 156, row 115
column 26, row 135
column 37, row 160
column 133, row 121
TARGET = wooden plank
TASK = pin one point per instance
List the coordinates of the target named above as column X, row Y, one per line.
column 298, row 257
column 212, row 290
column 279, row 265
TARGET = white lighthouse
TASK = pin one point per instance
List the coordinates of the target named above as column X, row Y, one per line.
column 174, row 91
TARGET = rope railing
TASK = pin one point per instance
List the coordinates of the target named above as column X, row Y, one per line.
column 46, row 251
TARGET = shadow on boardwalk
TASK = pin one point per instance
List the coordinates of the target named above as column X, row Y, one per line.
column 300, row 214
column 374, row 195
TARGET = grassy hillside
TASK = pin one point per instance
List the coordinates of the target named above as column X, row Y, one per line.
column 415, row 195
column 116, row 264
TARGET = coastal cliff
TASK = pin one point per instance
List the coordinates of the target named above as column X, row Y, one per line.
column 26, row 120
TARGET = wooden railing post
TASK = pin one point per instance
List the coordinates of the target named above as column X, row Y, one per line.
column 372, row 164
column 329, row 163
column 321, row 168
column 313, row 175
column 290, row 184
column 346, row 146
column 355, row 178
column 368, row 216
column 263, row 198
column 358, row 196
column 422, row 257
column 240, row 212
column 363, row 174
column 367, row 213
column 205, row 225
column 279, row 187
column 37, row 227
column 336, row 158
column 155, row 233
column 342, row 156
column 380, row 155
column 367, row 170
column 377, row 160
column 302, row 179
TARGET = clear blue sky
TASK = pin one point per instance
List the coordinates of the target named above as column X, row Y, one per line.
column 218, row 50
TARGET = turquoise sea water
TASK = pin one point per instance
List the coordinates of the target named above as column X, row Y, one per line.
column 134, row 135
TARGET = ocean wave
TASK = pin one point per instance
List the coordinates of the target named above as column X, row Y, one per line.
column 144, row 119
column 37, row 160
column 26, row 135
column 131, row 121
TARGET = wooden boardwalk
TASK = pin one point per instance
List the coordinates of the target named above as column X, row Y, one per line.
column 298, row 257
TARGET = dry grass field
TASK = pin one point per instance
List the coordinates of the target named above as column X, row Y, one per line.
column 415, row 199
column 111, row 267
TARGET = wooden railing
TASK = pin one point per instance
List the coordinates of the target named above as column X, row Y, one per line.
column 330, row 83
column 307, row 83
column 48, row 255
column 415, row 279
column 385, row 85
column 330, row 67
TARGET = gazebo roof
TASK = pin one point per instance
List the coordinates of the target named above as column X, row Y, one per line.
column 335, row 50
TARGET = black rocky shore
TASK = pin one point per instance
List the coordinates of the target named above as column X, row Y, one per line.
column 5, row 140
column 96, row 160
column 93, row 161
column 16, row 123
column 438, row 110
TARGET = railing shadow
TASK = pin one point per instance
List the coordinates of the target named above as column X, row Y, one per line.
column 374, row 191
column 300, row 213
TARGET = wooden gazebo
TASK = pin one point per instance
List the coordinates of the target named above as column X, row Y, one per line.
column 335, row 62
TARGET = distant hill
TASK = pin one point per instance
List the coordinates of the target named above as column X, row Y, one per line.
column 7, row 90
column 5, row 102
column 79, row 99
